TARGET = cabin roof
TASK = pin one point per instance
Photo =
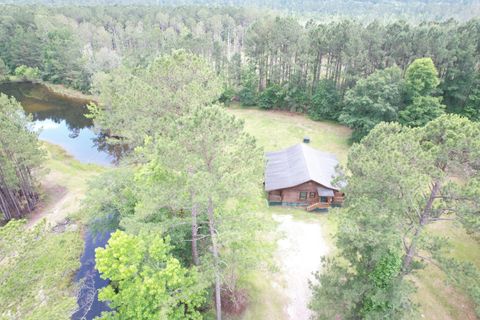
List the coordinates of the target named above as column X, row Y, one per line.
column 299, row 164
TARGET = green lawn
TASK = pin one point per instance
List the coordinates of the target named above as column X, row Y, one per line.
column 275, row 130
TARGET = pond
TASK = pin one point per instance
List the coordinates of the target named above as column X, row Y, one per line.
column 88, row 305
column 62, row 121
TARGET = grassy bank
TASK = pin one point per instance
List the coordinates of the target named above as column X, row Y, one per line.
column 42, row 286
column 64, row 185
column 68, row 92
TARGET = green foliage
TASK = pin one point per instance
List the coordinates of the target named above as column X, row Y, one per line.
column 401, row 180
column 295, row 99
column 472, row 107
column 3, row 70
column 372, row 100
column 147, row 282
column 363, row 280
column 386, row 270
column 27, row 73
column 20, row 157
column 134, row 103
column 61, row 60
column 248, row 93
column 69, row 46
column 110, row 197
column 272, row 97
column 325, row 104
column 421, row 110
column 227, row 95
column 421, row 78
column 164, row 189
column 421, row 81
column 36, row 268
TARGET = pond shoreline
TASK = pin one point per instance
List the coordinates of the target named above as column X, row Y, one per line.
column 58, row 89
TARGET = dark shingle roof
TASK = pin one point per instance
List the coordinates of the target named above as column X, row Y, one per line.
column 299, row 164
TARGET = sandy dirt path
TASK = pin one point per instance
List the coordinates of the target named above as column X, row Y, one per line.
column 299, row 253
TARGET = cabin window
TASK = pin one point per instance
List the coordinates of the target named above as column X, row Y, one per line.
column 312, row 194
column 303, row 195
column 324, row 199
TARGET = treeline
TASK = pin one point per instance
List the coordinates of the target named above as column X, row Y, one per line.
column 366, row 9
column 19, row 157
column 274, row 61
column 287, row 53
column 68, row 45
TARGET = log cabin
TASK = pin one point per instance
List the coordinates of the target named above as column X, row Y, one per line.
column 301, row 176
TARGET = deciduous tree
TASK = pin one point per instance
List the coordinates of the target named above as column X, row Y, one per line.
column 147, row 282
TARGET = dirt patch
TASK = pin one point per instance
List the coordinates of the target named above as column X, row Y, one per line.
column 299, row 256
column 51, row 197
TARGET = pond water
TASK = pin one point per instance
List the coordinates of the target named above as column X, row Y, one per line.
column 88, row 305
column 61, row 121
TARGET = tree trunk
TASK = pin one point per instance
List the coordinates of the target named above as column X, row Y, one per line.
column 196, row 261
column 213, row 235
column 407, row 261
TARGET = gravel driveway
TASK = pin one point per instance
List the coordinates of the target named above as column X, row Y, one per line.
column 299, row 254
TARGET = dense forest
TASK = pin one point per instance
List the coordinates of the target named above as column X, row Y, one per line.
column 365, row 9
column 190, row 236
column 275, row 61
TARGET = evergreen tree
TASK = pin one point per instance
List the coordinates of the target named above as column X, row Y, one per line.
column 20, row 160
column 401, row 181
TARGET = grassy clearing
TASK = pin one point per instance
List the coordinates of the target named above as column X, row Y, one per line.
column 266, row 301
column 275, row 130
column 63, row 186
column 436, row 297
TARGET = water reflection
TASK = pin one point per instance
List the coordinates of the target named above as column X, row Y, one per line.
column 63, row 122
column 89, row 306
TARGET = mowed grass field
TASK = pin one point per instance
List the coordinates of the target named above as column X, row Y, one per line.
column 275, row 130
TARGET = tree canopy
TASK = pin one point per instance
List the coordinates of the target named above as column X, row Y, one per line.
column 401, row 181
column 373, row 100
column 135, row 104
column 147, row 282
